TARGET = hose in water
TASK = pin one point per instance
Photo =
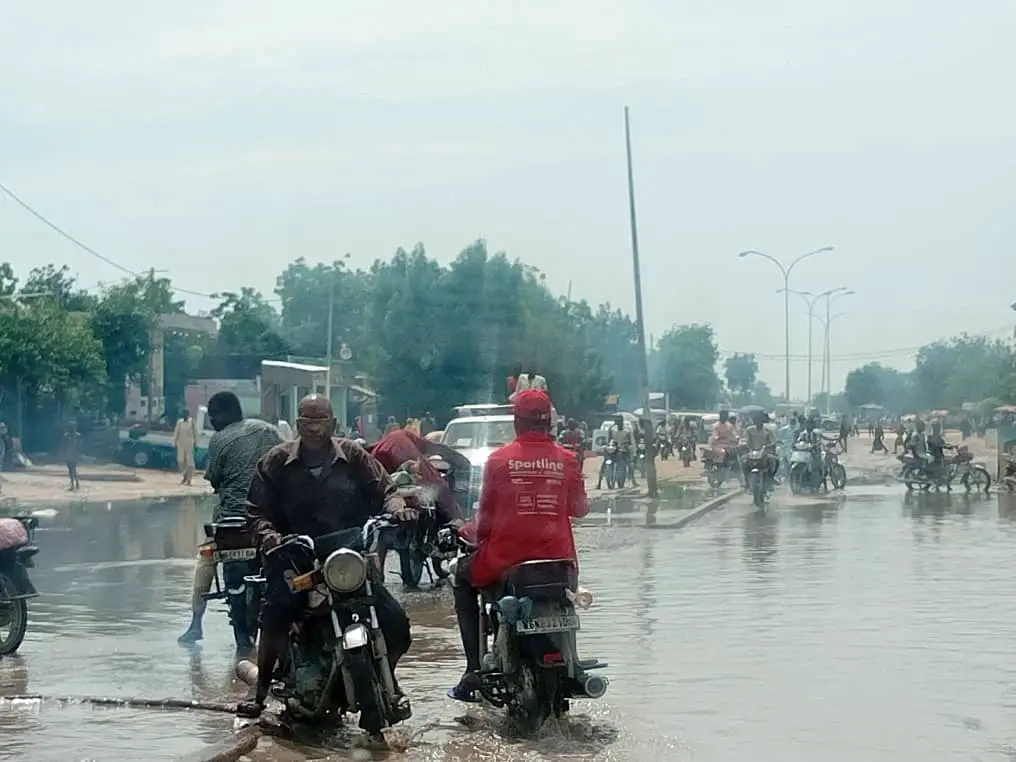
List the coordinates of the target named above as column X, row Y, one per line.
column 140, row 703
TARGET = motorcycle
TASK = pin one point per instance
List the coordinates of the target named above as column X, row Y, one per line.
column 756, row 463
column 336, row 659
column 613, row 465
column 921, row 472
column 805, row 473
column 230, row 545
column 717, row 463
column 17, row 552
column 685, row 446
column 640, row 457
column 1009, row 473
column 834, row 470
column 528, row 644
column 666, row 445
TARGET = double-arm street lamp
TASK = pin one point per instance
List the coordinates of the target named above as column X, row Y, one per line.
column 811, row 300
column 785, row 271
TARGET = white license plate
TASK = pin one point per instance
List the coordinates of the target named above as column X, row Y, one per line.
column 542, row 624
column 244, row 554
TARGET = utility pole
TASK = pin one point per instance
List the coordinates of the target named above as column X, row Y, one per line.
column 330, row 340
column 647, row 418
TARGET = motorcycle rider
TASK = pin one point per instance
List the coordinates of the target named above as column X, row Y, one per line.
column 315, row 485
column 724, row 435
column 812, row 435
column 936, row 448
column 532, row 489
column 395, row 449
column 233, row 454
column 758, row 437
column 625, row 439
column 574, row 440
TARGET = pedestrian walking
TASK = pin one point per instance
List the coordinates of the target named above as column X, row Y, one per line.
column 185, row 438
column 71, row 454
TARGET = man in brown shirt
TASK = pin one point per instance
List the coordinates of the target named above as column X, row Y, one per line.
column 315, row 485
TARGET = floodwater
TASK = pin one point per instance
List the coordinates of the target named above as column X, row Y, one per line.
column 874, row 627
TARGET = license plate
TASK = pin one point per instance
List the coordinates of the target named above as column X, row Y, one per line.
column 244, row 554
column 542, row 624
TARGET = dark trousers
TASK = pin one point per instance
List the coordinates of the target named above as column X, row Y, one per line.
column 467, row 612
column 72, row 472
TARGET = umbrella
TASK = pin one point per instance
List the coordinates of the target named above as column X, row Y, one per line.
column 871, row 406
column 750, row 410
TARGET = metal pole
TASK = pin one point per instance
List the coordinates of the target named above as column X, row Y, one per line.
column 811, row 331
column 328, row 354
column 828, row 369
column 786, row 337
column 647, row 421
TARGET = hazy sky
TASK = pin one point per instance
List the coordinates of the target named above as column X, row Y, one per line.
column 220, row 140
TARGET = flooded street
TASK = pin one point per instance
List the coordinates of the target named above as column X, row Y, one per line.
column 873, row 627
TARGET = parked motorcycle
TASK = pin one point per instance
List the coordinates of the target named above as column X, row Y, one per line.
column 231, row 546
column 17, row 552
column 923, row 473
column 336, row 660
column 756, row 464
column 528, row 644
column 805, row 468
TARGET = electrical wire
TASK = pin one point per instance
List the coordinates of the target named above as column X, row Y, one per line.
column 84, row 247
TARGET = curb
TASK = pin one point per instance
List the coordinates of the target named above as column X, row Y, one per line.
column 706, row 508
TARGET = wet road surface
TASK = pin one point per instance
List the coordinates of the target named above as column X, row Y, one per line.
column 873, row 627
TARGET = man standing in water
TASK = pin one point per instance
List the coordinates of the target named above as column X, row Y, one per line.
column 185, row 437
column 233, row 453
column 71, row 454
column 316, row 485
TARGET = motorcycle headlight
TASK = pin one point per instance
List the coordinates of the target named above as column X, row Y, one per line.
column 345, row 571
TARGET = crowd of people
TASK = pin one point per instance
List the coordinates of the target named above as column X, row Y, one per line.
column 318, row 482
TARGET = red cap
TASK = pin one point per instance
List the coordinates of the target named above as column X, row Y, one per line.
column 532, row 405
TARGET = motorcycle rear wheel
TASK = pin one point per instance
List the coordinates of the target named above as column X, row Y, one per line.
column 535, row 698
column 14, row 616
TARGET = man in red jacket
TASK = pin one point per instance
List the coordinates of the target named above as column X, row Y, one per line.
column 532, row 489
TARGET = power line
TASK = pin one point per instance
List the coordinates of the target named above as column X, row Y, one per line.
column 84, row 247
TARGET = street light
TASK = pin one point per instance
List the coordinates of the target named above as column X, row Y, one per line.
column 827, row 363
column 785, row 271
column 811, row 300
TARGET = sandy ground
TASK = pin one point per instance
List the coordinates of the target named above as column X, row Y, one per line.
column 49, row 485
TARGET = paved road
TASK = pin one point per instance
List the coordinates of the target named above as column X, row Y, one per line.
column 870, row 626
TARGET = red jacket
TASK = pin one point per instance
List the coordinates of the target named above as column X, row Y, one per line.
column 532, row 488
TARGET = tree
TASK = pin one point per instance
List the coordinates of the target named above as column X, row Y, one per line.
column 762, row 395
column 686, row 359
column 740, row 370
column 8, row 283
column 249, row 332
column 47, row 353
column 962, row 369
column 61, row 285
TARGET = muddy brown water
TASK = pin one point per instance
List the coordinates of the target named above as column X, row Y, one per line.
column 873, row 627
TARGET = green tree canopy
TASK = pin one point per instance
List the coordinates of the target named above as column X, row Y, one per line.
column 685, row 366
column 741, row 371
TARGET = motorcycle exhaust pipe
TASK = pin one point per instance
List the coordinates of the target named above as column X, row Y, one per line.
column 591, row 686
column 247, row 671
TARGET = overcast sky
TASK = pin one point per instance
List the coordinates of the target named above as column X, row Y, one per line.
column 220, row 140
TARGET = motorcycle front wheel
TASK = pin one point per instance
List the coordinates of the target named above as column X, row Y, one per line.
column 13, row 618
column 837, row 476
column 368, row 692
column 977, row 479
column 757, row 490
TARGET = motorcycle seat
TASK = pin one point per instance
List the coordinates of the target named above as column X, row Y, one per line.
column 541, row 580
column 13, row 534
